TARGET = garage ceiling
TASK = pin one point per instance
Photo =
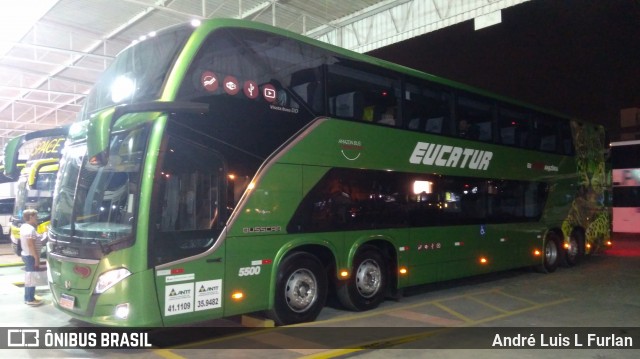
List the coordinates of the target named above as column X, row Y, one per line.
column 49, row 68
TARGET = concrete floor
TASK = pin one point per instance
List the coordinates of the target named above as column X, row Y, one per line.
column 447, row 320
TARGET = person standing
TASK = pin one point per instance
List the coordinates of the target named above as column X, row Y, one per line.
column 30, row 254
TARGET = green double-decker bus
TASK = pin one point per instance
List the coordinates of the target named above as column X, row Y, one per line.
column 228, row 167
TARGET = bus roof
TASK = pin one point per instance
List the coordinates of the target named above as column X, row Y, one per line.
column 231, row 23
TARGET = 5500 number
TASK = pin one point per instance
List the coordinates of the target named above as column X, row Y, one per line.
column 247, row 271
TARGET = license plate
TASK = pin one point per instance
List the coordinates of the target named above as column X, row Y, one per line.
column 67, row 301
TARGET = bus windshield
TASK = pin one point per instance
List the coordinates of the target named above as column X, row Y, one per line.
column 38, row 198
column 132, row 77
column 104, row 196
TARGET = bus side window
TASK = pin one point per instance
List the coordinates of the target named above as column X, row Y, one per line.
column 475, row 118
column 513, row 125
column 186, row 215
column 545, row 134
column 428, row 108
column 358, row 93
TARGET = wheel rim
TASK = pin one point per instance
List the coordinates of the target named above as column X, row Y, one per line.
column 551, row 252
column 301, row 290
column 368, row 278
column 572, row 251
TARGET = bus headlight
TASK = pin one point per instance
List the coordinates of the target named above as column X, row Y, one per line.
column 122, row 311
column 109, row 279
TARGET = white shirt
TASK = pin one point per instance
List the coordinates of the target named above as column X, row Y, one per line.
column 28, row 231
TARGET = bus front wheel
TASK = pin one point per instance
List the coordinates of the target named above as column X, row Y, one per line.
column 365, row 288
column 301, row 289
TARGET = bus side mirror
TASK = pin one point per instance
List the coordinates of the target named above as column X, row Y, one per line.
column 99, row 129
column 37, row 167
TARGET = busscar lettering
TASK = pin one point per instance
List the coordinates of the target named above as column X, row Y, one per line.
column 262, row 229
column 431, row 154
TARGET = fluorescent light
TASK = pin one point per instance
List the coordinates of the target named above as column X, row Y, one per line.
column 17, row 18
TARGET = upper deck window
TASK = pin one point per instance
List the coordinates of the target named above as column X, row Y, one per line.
column 138, row 72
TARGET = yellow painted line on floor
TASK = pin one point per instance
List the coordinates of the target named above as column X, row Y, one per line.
column 518, row 298
column 380, row 344
column 167, row 353
column 486, row 304
column 376, row 312
column 332, row 354
column 279, row 340
column 424, row 318
column 453, row 312
column 523, row 310
column 12, row 264
column 320, row 323
column 222, row 339
column 411, row 338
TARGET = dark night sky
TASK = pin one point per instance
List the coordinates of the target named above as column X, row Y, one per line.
column 578, row 57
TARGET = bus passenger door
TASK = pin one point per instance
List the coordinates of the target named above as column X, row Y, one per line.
column 185, row 223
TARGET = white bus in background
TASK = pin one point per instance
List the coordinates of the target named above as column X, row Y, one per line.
column 7, row 201
column 625, row 162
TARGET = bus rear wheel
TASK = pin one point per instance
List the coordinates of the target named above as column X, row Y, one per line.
column 551, row 254
column 301, row 289
column 366, row 287
column 574, row 253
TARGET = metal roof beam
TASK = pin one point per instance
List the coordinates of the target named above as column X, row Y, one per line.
column 57, row 49
column 390, row 21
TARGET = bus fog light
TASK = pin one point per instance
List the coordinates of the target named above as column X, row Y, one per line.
column 111, row 278
column 122, row 311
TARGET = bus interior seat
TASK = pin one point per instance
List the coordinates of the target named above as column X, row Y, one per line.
column 484, row 131
column 387, row 118
column 434, row 125
column 567, row 146
column 349, row 105
column 414, row 124
column 431, row 125
column 548, row 143
column 310, row 93
column 508, row 135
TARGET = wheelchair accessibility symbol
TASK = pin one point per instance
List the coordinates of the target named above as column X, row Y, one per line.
column 483, row 230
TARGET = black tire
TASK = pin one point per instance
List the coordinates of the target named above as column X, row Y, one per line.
column 575, row 252
column 366, row 288
column 301, row 289
column 551, row 255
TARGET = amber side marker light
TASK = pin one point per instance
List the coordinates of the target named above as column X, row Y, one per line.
column 609, row 243
column 483, row 260
column 237, row 296
column 344, row 273
column 403, row 270
column 566, row 246
column 536, row 253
